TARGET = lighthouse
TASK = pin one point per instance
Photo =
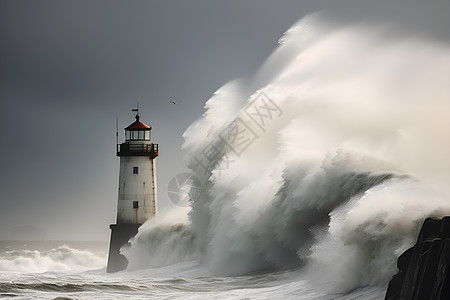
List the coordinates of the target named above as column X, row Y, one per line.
column 137, row 197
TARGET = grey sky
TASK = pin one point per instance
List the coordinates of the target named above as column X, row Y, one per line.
column 68, row 68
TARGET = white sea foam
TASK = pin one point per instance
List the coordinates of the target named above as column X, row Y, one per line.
column 63, row 258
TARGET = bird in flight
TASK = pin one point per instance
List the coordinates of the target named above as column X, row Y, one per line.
column 173, row 102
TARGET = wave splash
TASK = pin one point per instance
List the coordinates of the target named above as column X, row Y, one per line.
column 330, row 157
column 158, row 245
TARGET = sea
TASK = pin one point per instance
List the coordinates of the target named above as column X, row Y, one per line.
column 76, row 270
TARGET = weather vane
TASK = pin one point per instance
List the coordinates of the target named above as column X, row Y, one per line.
column 136, row 110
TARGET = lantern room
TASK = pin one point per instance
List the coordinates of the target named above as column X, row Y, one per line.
column 137, row 140
column 137, row 131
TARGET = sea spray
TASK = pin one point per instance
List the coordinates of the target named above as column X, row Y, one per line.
column 346, row 151
column 346, row 105
column 161, row 243
column 368, row 233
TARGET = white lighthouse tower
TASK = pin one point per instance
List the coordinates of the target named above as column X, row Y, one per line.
column 137, row 198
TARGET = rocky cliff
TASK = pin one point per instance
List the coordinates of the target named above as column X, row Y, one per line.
column 424, row 269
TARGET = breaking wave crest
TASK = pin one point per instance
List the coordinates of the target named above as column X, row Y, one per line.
column 62, row 258
column 329, row 158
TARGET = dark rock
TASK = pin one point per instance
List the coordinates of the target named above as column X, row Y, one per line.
column 424, row 269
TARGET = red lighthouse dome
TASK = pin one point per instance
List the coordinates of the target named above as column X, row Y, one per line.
column 138, row 125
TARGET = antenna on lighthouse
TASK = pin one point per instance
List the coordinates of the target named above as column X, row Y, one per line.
column 117, row 131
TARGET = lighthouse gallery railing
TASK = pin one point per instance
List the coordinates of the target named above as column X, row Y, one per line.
column 126, row 149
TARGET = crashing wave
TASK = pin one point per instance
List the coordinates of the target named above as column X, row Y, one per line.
column 330, row 157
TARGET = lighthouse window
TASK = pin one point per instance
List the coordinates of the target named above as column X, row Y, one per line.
column 135, row 170
column 137, row 135
column 135, row 204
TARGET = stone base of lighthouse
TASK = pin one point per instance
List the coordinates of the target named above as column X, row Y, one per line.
column 120, row 235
